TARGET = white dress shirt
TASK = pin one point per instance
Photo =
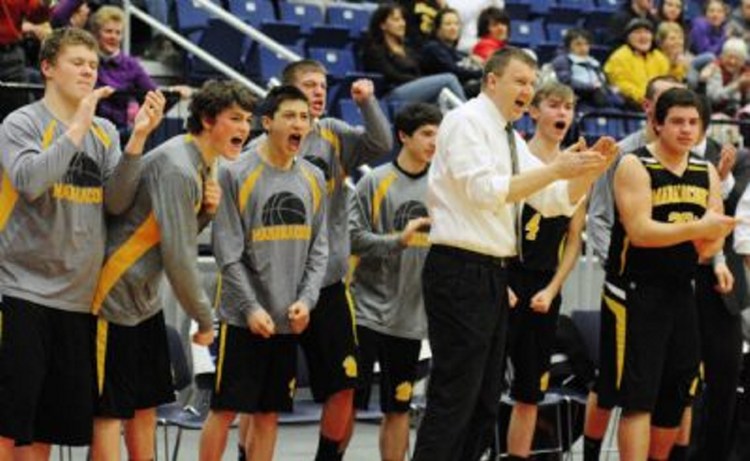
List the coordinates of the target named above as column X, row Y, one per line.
column 469, row 180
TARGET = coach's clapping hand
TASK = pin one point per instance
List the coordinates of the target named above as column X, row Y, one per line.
column 261, row 323
column 299, row 317
column 203, row 338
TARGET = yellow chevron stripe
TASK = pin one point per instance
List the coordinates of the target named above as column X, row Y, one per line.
column 314, row 187
column 222, row 355
column 143, row 239
column 379, row 196
column 620, row 330
column 248, row 186
column 102, row 330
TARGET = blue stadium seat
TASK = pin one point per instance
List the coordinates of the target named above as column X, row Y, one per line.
column 262, row 64
column 306, row 15
column 337, row 61
column 518, row 9
column 539, row 8
column 286, row 33
column 190, row 17
column 350, row 16
column 327, row 36
column 527, row 33
column 556, row 31
column 214, row 41
column 593, row 127
column 252, row 12
column 570, row 11
column 525, row 126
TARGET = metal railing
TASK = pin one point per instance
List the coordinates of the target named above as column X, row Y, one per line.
column 231, row 20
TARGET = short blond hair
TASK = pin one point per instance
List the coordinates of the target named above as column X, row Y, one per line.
column 106, row 14
column 666, row 28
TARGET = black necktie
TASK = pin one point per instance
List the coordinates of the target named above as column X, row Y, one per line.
column 516, row 205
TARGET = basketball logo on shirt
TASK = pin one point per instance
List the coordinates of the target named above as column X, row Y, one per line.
column 405, row 213
column 82, row 182
column 284, row 218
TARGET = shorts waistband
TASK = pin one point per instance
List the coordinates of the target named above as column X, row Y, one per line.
column 472, row 256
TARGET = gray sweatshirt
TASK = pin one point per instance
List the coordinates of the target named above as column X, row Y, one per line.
column 157, row 235
column 53, row 197
column 269, row 239
column 338, row 148
column 386, row 285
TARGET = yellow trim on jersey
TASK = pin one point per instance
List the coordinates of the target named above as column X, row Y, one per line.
column 697, row 168
column 624, row 254
column 143, row 239
column 313, row 187
column 102, row 330
column 379, row 195
column 102, row 135
column 222, row 354
column 544, row 382
column 217, row 294
column 49, row 134
column 248, row 186
column 620, row 328
column 8, row 199
column 330, row 136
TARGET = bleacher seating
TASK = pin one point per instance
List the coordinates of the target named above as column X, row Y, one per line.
column 527, row 33
column 337, row 61
column 306, row 15
column 346, row 15
column 252, row 12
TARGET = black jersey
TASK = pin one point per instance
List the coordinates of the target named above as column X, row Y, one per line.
column 674, row 199
column 543, row 239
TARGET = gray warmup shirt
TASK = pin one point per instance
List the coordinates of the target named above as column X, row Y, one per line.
column 338, row 148
column 269, row 239
column 52, row 205
column 157, row 235
column 386, row 285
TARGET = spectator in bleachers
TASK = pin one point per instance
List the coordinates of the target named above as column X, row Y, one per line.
column 71, row 13
column 469, row 11
column 670, row 38
column 631, row 66
column 493, row 30
column 618, row 25
column 709, row 31
column 420, row 16
column 120, row 71
column 581, row 71
column 116, row 69
column 387, row 54
column 13, row 13
column 739, row 22
column 671, row 11
column 728, row 78
column 440, row 54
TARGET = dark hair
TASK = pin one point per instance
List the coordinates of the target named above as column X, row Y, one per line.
column 53, row 45
column 278, row 96
column 488, row 16
column 680, row 19
column 378, row 17
column 437, row 22
column 574, row 34
column 414, row 116
column 293, row 70
column 722, row 3
column 500, row 59
column 214, row 97
column 651, row 85
column 677, row 97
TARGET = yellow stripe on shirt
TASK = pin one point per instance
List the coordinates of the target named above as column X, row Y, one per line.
column 143, row 239
column 379, row 196
column 248, row 186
